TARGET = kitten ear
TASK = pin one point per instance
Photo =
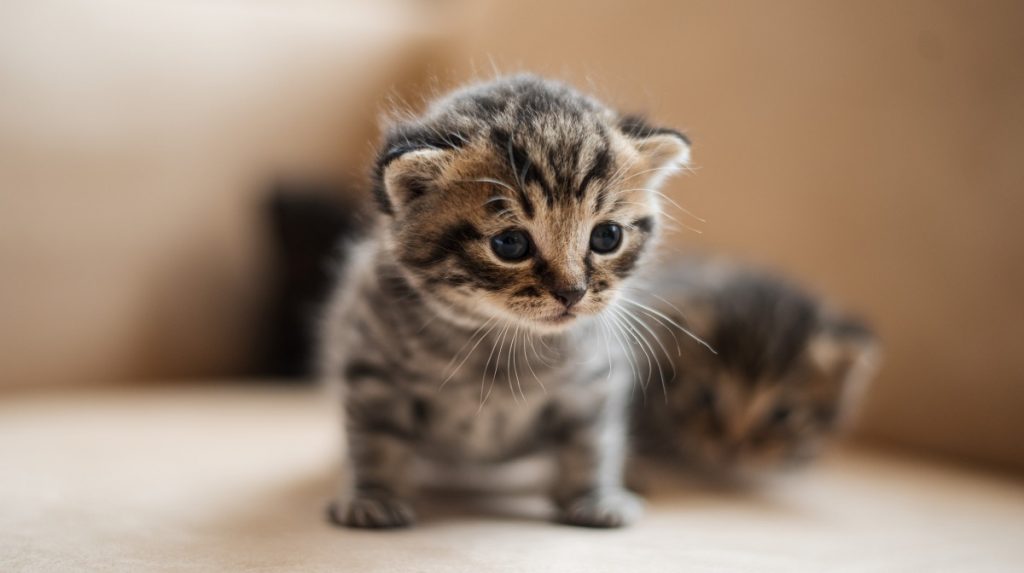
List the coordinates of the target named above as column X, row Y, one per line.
column 848, row 353
column 405, row 173
column 663, row 150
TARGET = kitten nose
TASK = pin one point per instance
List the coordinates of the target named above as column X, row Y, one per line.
column 569, row 296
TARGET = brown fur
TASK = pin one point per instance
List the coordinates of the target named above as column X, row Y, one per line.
column 428, row 289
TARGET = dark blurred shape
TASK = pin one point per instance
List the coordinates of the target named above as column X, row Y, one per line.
column 310, row 223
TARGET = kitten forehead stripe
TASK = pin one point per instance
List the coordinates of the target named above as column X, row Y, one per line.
column 520, row 165
column 600, row 167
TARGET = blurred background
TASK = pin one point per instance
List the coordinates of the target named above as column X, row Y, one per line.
column 873, row 150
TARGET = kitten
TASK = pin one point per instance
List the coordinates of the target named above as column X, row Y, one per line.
column 468, row 326
column 785, row 374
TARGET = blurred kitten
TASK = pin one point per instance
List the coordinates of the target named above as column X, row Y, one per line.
column 786, row 374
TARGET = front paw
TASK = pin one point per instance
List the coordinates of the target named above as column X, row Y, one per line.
column 602, row 508
column 372, row 512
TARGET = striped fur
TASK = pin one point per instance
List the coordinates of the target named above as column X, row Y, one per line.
column 448, row 352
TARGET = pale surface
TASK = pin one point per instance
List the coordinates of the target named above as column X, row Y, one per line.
column 235, row 478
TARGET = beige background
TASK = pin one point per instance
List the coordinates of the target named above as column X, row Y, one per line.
column 872, row 149
column 137, row 144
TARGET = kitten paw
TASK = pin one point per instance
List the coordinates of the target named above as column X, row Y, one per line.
column 372, row 512
column 603, row 509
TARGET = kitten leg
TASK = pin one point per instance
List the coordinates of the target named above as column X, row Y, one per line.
column 375, row 493
column 589, row 489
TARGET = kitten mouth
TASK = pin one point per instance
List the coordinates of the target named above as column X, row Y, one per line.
column 562, row 318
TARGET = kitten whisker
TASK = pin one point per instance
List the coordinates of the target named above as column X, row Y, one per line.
column 682, row 224
column 669, row 169
column 606, row 330
column 669, row 199
column 605, row 333
column 626, row 166
column 628, row 330
column 646, row 345
column 675, row 339
column 529, row 365
column 659, row 297
column 539, row 355
column 658, row 320
column 630, row 356
column 472, row 350
column 607, row 350
column 509, row 362
column 668, row 216
column 515, row 363
column 609, row 326
column 547, row 347
column 668, row 325
column 657, row 339
column 494, row 376
column 696, row 338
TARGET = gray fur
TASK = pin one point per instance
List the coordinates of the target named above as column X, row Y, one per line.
column 445, row 352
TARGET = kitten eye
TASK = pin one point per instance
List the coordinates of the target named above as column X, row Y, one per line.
column 780, row 414
column 605, row 237
column 706, row 397
column 511, row 245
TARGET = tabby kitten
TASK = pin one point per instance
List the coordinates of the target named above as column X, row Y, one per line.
column 468, row 325
column 784, row 376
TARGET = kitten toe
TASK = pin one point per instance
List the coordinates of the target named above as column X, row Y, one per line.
column 372, row 512
column 603, row 509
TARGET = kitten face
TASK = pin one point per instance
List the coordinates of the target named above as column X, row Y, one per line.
column 742, row 425
column 787, row 376
column 523, row 200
